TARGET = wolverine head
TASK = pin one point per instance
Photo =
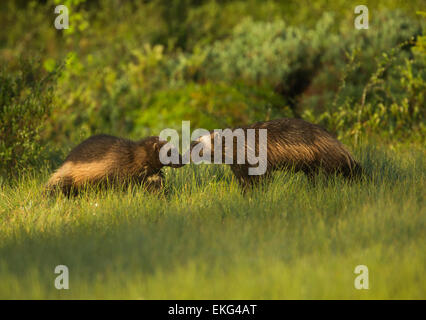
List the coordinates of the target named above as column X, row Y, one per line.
column 160, row 153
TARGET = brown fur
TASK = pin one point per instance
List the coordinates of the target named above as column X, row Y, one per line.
column 297, row 144
column 108, row 160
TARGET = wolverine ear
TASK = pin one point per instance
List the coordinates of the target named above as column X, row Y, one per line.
column 159, row 144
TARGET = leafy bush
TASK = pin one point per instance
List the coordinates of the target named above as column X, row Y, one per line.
column 209, row 105
column 26, row 97
column 220, row 63
column 388, row 29
column 283, row 57
column 395, row 107
column 301, row 64
column 93, row 98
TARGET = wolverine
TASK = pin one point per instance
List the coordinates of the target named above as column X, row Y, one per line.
column 107, row 160
column 288, row 143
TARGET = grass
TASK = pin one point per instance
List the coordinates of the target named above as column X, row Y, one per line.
column 205, row 239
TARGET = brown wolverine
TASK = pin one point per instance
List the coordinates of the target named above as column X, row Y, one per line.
column 108, row 160
column 290, row 143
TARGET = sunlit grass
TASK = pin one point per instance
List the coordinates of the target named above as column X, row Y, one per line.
column 204, row 238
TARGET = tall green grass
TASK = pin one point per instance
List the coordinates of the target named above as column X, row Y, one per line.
column 206, row 239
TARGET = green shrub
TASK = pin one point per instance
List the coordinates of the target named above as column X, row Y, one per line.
column 220, row 63
column 420, row 47
column 93, row 97
column 209, row 105
column 392, row 103
column 271, row 53
column 388, row 29
column 301, row 64
column 26, row 97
